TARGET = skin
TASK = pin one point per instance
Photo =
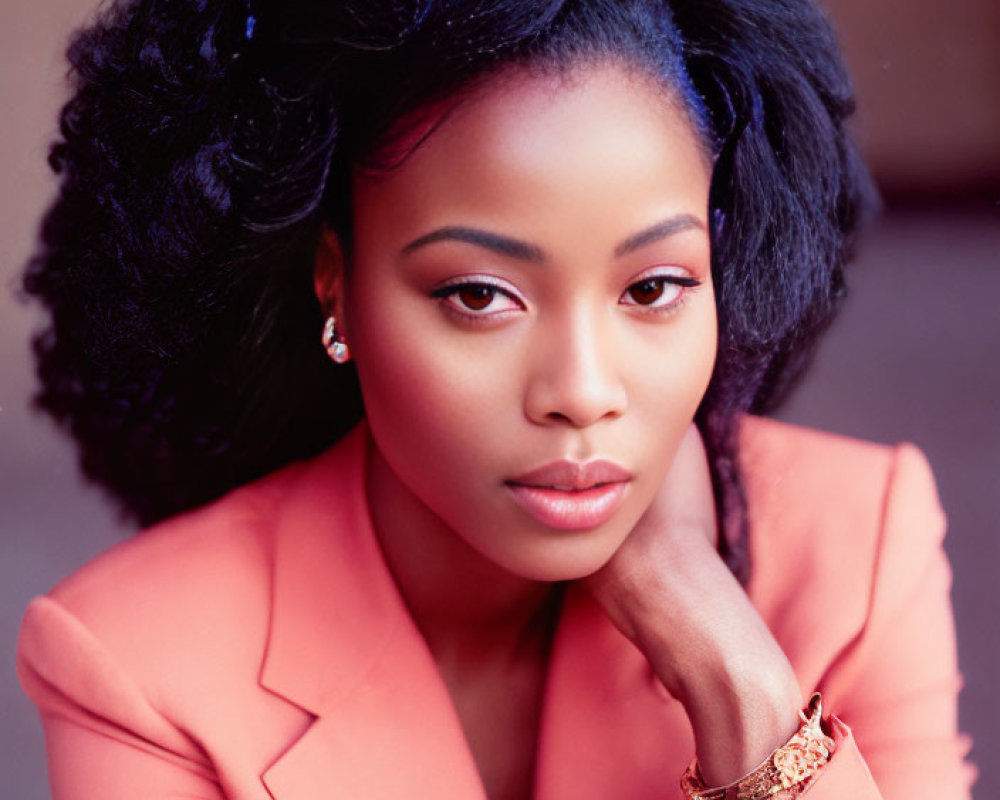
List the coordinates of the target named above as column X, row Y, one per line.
column 566, row 353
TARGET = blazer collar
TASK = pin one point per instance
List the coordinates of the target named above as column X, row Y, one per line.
column 343, row 646
column 335, row 609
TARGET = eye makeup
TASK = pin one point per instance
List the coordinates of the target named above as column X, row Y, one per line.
column 471, row 297
column 659, row 290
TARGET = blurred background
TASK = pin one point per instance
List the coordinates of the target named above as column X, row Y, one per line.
column 915, row 355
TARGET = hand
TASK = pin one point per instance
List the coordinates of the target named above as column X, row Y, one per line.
column 669, row 592
column 679, row 525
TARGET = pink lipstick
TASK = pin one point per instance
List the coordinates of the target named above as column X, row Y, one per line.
column 571, row 495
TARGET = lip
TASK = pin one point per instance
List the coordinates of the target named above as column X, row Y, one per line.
column 573, row 475
column 571, row 495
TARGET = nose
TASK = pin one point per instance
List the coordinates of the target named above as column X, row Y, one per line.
column 576, row 375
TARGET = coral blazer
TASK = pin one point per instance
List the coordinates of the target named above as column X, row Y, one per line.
column 258, row 648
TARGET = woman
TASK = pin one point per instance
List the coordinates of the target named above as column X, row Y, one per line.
column 555, row 253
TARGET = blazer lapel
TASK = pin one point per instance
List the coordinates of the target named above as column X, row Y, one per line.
column 343, row 647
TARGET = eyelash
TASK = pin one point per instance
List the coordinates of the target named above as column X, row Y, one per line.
column 443, row 293
column 682, row 282
column 449, row 290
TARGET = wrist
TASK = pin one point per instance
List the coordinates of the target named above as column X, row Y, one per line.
column 785, row 774
column 738, row 720
column 738, row 690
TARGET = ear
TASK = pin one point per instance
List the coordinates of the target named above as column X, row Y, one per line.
column 328, row 276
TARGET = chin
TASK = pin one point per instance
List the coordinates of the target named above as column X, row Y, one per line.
column 577, row 555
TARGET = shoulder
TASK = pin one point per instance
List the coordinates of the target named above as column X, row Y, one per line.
column 197, row 584
column 211, row 553
column 798, row 478
column 842, row 532
column 162, row 641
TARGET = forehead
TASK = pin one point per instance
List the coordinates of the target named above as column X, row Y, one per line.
column 524, row 140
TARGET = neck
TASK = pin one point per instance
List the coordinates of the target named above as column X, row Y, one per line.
column 467, row 607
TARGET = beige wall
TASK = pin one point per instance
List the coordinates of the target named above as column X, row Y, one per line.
column 927, row 75
column 32, row 82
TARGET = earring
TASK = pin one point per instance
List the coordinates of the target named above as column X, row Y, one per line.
column 336, row 347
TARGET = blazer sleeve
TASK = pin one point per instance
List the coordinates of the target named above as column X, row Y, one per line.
column 896, row 684
column 104, row 735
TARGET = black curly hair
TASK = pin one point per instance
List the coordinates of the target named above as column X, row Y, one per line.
column 209, row 140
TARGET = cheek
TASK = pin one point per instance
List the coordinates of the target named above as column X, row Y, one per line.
column 426, row 393
column 666, row 394
column 391, row 355
column 678, row 365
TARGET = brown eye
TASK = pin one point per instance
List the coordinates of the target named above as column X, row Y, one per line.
column 478, row 299
column 661, row 291
column 647, row 292
column 476, row 296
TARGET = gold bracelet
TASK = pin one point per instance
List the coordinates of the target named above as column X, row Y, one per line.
column 786, row 773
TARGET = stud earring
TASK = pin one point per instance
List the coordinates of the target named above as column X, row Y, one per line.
column 336, row 347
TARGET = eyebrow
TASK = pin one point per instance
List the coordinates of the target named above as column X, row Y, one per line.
column 524, row 251
column 661, row 230
column 504, row 245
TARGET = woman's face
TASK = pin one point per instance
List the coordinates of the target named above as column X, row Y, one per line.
column 531, row 295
